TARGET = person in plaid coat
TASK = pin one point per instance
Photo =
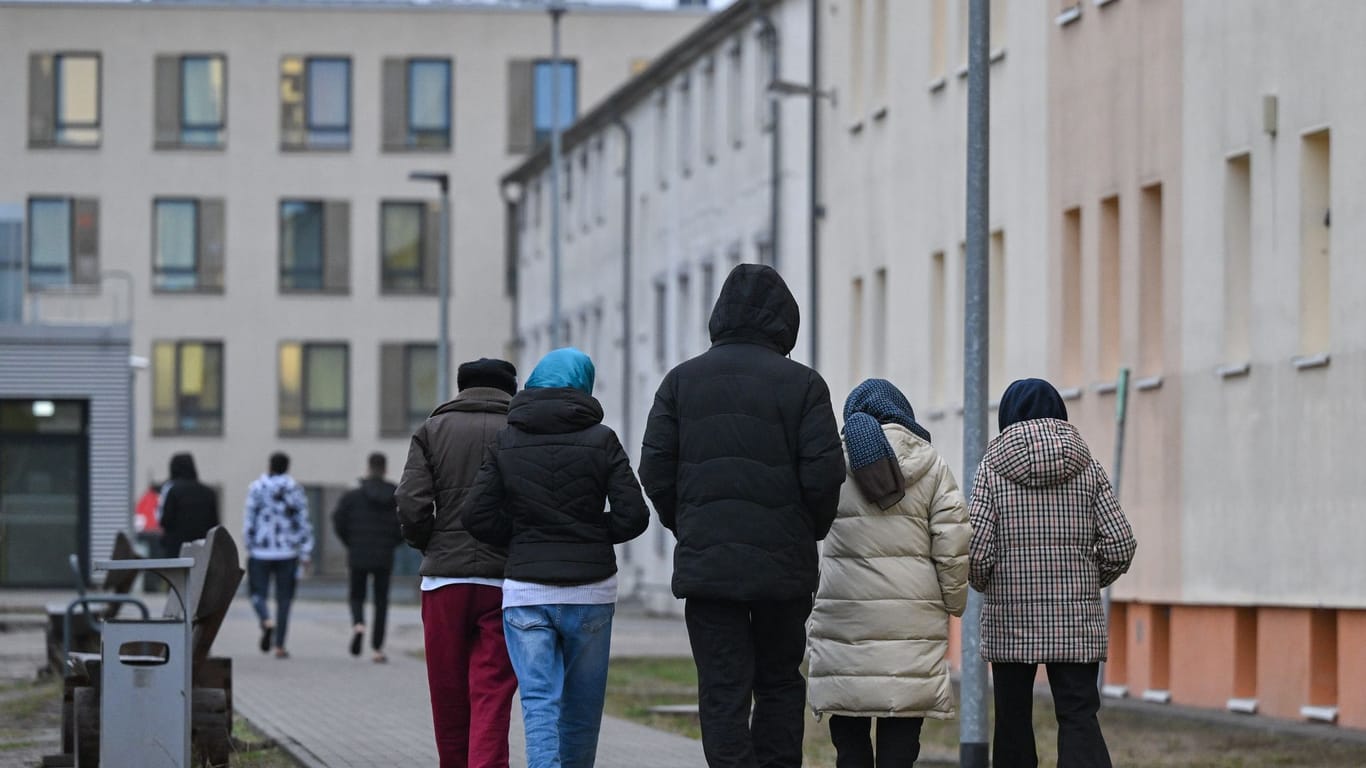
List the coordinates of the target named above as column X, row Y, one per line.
column 1047, row 535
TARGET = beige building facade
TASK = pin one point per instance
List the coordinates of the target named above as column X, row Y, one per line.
column 1166, row 182
column 246, row 165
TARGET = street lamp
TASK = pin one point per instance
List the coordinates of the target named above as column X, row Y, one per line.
column 443, row 280
column 556, row 9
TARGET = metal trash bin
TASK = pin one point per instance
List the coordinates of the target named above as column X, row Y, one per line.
column 145, row 680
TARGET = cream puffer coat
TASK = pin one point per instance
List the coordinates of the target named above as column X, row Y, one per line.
column 879, row 631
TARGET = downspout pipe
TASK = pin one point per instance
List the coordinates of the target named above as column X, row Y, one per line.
column 627, row 309
column 815, row 215
column 768, row 35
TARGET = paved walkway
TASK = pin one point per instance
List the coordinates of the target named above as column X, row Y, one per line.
column 329, row 709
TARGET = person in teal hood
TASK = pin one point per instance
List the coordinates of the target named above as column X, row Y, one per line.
column 558, row 491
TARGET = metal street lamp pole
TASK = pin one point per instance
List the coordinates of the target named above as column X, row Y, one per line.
column 556, row 10
column 443, row 279
column 972, row 750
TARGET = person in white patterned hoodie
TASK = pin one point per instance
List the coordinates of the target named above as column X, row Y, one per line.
column 279, row 542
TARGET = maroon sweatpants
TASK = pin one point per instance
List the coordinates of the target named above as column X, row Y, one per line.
column 470, row 676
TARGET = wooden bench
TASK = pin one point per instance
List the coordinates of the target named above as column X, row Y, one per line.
column 212, row 583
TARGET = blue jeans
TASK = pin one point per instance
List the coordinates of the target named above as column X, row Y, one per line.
column 559, row 653
column 259, row 574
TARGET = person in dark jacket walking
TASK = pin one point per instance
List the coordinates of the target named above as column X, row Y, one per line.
column 743, row 462
column 188, row 508
column 1047, row 535
column 468, row 670
column 541, row 492
column 366, row 522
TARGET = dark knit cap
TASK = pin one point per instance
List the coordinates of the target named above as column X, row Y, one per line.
column 486, row 372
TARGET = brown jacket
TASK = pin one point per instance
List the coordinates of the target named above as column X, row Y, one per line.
column 1047, row 536
column 443, row 459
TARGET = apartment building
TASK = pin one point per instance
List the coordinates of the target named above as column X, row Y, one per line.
column 692, row 167
column 1163, row 181
column 246, row 166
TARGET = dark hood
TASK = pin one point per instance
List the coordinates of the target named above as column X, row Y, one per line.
column 755, row 305
column 1029, row 399
column 478, row 400
column 378, row 491
column 553, row 411
column 182, row 467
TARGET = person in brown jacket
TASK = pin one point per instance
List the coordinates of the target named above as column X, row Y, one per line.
column 468, row 669
column 1047, row 535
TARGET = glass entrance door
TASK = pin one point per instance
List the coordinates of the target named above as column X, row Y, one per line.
column 44, row 496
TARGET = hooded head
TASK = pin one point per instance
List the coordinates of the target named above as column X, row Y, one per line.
column 1029, row 399
column 872, row 404
column 486, row 372
column 182, row 467
column 566, row 367
column 755, row 305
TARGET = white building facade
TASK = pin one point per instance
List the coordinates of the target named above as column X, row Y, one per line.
column 666, row 185
column 246, row 164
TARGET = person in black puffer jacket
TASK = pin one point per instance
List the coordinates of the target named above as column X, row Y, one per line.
column 541, row 492
column 366, row 522
column 188, row 507
column 743, row 462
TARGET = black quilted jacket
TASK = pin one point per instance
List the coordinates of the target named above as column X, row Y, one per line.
column 543, row 491
column 741, row 456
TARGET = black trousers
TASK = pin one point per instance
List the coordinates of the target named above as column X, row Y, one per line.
column 358, row 582
column 898, row 741
column 1076, row 700
column 750, row 653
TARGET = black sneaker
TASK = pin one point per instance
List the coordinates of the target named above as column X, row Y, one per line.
column 357, row 638
column 265, row 638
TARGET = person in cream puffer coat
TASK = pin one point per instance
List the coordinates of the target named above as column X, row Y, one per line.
column 894, row 567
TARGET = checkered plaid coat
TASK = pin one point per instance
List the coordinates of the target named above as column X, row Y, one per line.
column 1047, row 535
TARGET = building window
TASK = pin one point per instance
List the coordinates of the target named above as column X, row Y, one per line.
column 64, row 100
column 531, row 103
column 708, row 295
column 314, row 246
column 996, row 313
column 1110, row 296
column 939, row 328
column 315, row 102
column 409, row 258
column 407, row 387
column 709, row 111
column 682, row 321
column 187, row 248
column 11, row 263
column 939, row 22
column 661, row 138
column 878, row 337
column 63, row 242
column 1150, row 304
column 735, row 94
column 191, row 101
column 187, row 389
column 1315, row 242
column 661, row 324
column 417, row 104
column 856, row 334
column 314, row 396
column 1237, row 257
column 685, row 127
column 764, row 106
column 1071, row 331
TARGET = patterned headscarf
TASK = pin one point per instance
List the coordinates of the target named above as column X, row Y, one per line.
column 872, row 404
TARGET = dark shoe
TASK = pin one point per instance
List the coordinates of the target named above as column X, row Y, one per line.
column 357, row 639
column 266, row 632
column 281, row 653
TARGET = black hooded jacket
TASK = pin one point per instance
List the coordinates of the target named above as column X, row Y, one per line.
column 366, row 521
column 188, row 507
column 741, row 455
column 543, row 488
